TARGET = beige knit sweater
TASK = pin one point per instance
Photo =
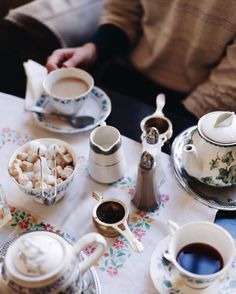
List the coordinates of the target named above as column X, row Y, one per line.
column 186, row 45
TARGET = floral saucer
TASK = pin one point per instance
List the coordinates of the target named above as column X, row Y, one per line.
column 97, row 105
column 167, row 280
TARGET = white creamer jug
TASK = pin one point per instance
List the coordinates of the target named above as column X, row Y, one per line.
column 107, row 162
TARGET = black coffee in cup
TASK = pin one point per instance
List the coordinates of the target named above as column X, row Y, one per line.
column 200, row 258
column 110, row 212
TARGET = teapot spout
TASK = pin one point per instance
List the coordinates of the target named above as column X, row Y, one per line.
column 191, row 161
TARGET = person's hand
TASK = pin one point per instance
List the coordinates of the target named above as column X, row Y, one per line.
column 84, row 56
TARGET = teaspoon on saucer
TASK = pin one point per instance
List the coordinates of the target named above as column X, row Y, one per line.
column 77, row 121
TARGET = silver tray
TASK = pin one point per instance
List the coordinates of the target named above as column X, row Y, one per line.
column 223, row 198
column 92, row 288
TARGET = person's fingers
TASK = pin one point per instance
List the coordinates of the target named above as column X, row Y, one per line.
column 58, row 57
column 83, row 56
column 53, row 61
column 51, row 66
column 76, row 59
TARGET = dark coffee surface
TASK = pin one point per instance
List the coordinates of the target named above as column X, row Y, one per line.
column 200, row 258
column 110, row 212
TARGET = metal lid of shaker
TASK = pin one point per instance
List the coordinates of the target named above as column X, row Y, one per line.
column 152, row 136
column 147, row 161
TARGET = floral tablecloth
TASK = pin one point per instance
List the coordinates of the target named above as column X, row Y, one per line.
column 120, row 268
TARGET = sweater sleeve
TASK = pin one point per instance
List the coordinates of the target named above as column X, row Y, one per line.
column 218, row 92
column 126, row 15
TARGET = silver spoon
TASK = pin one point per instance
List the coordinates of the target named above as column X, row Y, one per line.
column 77, row 121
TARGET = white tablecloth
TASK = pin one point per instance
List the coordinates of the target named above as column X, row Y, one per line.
column 120, row 269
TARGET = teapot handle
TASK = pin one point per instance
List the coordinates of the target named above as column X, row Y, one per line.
column 101, row 245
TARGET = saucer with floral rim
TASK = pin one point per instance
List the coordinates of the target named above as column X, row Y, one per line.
column 167, row 280
column 97, row 105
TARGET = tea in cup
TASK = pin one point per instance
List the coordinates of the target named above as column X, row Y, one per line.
column 202, row 252
column 67, row 89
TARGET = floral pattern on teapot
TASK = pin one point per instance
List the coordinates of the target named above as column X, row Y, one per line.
column 226, row 171
column 210, row 154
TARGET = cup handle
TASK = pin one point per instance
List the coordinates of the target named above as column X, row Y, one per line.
column 102, row 124
column 101, row 245
column 168, row 257
column 98, row 196
column 124, row 230
column 163, row 140
column 160, row 103
column 173, row 227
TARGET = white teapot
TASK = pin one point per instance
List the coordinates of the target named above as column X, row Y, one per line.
column 43, row 262
column 210, row 155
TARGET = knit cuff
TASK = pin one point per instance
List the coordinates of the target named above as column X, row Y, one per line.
column 110, row 41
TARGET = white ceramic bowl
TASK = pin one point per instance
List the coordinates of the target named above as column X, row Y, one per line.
column 49, row 192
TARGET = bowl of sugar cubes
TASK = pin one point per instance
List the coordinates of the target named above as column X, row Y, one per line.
column 44, row 169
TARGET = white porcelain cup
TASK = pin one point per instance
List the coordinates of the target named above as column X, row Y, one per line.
column 107, row 163
column 200, row 232
column 73, row 86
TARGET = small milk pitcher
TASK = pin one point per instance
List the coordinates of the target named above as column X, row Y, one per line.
column 107, row 162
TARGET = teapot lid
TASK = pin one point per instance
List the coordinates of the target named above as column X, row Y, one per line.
column 36, row 256
column 219, row 127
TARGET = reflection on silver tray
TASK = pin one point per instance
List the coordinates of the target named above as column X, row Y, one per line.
column 223, row 198
column 91, row 287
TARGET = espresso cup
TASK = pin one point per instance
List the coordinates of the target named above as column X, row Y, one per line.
column 202, row 252
column 67, row 89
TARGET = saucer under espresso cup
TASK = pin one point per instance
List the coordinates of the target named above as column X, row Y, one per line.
column 158, row 120
column 67, row 89
column 166, row 278
column 202, row 252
